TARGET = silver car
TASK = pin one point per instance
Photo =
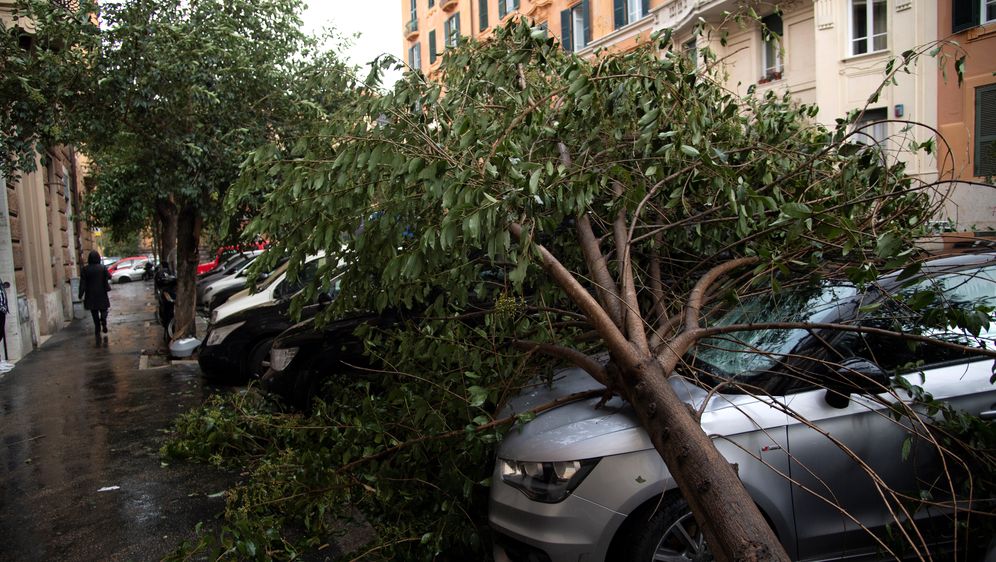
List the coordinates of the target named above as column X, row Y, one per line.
column 580, row 483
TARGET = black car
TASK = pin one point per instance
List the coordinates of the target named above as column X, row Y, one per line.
column 236, row 349
column 305, row 355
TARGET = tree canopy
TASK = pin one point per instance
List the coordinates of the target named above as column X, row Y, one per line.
column 537, row 208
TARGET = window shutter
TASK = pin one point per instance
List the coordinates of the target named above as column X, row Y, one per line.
column 456, row 29
column 566, row 36
column 965, row 14
column 586, row 15
column 483, row 5
column 619, row 10
column 502, row 8
column 432, row 3
column 432, row 46
column 646, row 7
column 773, row 23
column 985, row 131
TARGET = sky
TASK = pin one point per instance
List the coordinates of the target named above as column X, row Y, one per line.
column 377, row 21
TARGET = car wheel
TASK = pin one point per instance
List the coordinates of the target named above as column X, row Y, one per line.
column 258, row 361
column 124, row 279
column 306, row 387
column 671, row 534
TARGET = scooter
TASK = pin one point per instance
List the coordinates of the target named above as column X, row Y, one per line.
column 165, row 287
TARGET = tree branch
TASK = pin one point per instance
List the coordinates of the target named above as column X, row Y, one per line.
column 697, row 296
column 582, row 360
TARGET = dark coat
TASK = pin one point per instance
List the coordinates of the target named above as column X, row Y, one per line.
column 95, row 282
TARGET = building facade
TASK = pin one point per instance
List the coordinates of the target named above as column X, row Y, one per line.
column 831, row 53
column 43, row 242
column 967, row 113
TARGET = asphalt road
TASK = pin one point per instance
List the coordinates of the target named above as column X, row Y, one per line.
column 80, row 429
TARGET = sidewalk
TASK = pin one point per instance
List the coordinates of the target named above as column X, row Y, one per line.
column 80, row 429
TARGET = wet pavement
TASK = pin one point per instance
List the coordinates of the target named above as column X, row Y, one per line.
column 80, row 429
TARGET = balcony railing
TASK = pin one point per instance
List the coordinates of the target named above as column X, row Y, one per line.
column 411, row 29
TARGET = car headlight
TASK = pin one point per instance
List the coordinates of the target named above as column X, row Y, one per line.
column 280, row 358
column 218, row 334
column 214, row 317
column 547, row 482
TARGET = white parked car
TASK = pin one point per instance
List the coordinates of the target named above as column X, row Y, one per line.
column 276, row 286
column 133, row 270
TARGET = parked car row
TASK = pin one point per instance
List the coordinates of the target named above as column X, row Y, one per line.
column 583, row 481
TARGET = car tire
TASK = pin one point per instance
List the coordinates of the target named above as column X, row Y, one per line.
column 258, row 361
column 662, row 531
column 124, row 279
column 306, row 387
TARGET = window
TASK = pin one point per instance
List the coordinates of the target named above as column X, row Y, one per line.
column 415, row 56
column 432, row 46
column 451, row 30
column 483, row 9
column 985, row 131
column 966, row 14
column 432, row 3
column 412, row 9
column 575, row 26
column 771, row 34
column 628, row 11
column 871, row 128
column 868, row 26
column 506, row 6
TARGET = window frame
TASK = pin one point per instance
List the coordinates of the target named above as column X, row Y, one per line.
column 415, row 56
column 868, row 39
column 451, row 31
column 983, row 11
column 772, row 45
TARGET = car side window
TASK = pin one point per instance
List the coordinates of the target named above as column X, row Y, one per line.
column 307, row 275
column 928, row 308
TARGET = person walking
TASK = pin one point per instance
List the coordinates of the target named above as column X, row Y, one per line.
column 95, row 282
column 5, row 365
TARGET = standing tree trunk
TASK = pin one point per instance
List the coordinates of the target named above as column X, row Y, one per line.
column 167, row 215
column 187, row 243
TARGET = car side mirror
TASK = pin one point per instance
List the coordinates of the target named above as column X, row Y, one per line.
column 855, row 374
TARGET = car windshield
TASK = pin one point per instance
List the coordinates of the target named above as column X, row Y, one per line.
column 748, row 354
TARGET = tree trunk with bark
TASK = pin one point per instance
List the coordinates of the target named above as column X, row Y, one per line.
column 187, row 243
column 166, row 214
column 734, row 527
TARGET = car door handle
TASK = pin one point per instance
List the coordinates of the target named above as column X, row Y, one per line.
column 988, row 415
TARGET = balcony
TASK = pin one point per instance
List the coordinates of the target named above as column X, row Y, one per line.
column 449, row 5
column 411, row 30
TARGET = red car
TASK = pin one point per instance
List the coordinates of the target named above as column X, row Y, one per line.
column 224, row 252
column 126, row 262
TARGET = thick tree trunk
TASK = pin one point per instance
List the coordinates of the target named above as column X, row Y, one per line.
column 733, row 525
column 735, row 530
column 187, row 242
column 167, row 214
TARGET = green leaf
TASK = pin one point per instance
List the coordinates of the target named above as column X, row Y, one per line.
column 796, row 210
column 689, row 150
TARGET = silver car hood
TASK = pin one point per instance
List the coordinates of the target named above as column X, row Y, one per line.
column 579, row 430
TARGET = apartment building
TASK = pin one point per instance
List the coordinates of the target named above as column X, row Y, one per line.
column 43, row 242
column 966, row 114
column 832, row 53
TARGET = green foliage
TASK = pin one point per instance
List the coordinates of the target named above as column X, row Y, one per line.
column 421, row 193
column 410, row 452
column 42, row 49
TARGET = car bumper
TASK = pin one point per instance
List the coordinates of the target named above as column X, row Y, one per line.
column 223, row 361
column 573, row 530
